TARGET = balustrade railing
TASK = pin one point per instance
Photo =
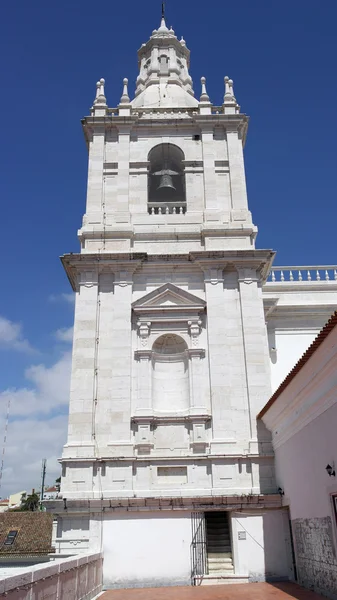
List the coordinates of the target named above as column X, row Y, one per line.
column 311, row 273
column 162, row 208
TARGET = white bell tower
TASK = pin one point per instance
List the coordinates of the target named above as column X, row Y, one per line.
column 170, row 358
column 165, row 132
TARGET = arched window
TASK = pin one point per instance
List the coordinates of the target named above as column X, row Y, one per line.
column 170, row 376
column 166, row 180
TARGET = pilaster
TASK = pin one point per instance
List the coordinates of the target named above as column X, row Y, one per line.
column 84, row 363
column 122, row 205
column 237, row 173
column 208, row 154
column 95, row 173
column 255, row 345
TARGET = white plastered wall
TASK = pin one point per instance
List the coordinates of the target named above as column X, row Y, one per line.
column 261, row 545
column 142, row 550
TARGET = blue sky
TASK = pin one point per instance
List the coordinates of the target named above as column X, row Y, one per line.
column 281, row 56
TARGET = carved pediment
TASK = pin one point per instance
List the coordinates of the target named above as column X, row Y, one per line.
column 168, row 297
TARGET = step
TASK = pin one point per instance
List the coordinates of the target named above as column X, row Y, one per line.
column 217, row 535
column 220, row 569
column 223, row 578
column 218, row 542
column 218, row 530
column 221, row 558
column 219, row 555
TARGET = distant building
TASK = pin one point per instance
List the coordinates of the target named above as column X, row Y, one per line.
column 50, row 493
column 302, row 417
column 4, row 505
column 13, row 501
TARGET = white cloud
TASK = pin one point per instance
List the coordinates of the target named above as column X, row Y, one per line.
column 28, row 442
column 49, row 390
column 35, row 429
column 68, row 298
column 11, row 336
column 65, row 334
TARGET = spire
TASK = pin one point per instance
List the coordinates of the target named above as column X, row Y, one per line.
column 205, row 103
column 204, row 96
column 124, row 107
column 125, row 96
column 100, row 97
column 163, row 27
column 164, row 79
column 100, row 106
column 230, row 104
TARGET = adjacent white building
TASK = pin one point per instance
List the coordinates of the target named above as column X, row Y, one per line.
column 302, row 416
column 181, row 330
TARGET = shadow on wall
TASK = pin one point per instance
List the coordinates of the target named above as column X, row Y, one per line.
column 277, row 546
column 267, row 478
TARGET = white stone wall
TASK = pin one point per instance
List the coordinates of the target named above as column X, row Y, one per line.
column 303, row 424
column 114, row 415
column 217, row 215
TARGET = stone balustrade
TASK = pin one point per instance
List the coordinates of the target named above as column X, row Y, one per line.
column 307, row 274
column 161, row 208
column 73, row 578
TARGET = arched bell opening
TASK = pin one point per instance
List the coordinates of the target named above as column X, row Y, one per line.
column 166, row 180
column 170, row 374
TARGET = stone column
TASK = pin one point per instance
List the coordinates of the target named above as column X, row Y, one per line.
column 83, row 382
column 255, row 346
column 209, row 171
column 219, row 385
column 122, row 206
column 236, row 170
column 95, row 173
column 143, row 356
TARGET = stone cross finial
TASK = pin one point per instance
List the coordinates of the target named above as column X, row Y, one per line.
column 204, row 96
column 125, row 96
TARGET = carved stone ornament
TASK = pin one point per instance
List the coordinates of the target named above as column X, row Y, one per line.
column 195, row 329
column 144, row 332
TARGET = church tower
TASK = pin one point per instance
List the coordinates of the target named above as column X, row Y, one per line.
column 164, row 467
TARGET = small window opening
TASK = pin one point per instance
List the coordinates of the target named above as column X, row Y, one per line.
column 10, row 538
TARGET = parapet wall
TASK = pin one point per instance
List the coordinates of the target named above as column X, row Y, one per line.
column 73, row 578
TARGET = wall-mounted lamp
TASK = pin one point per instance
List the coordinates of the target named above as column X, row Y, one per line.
column 64, row 503
column 280, row 491
column 330, row 471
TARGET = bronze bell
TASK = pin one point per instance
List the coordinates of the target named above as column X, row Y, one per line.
column 166, row 180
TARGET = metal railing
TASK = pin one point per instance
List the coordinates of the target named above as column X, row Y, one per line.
column 310, row 273
column 198, row 548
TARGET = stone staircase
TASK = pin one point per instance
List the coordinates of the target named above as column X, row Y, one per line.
column 219, row 550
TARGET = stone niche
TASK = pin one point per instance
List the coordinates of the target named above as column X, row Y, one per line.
column 171, row 372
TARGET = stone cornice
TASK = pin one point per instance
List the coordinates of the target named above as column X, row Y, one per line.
column 260, row 260
column 236, row 122
column 212, row 501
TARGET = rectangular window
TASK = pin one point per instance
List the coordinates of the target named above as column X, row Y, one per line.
column 10, row 539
